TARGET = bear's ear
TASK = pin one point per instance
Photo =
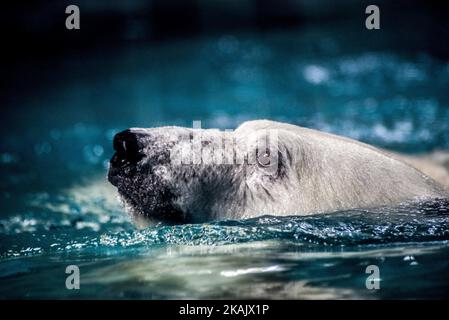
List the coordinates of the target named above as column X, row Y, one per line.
column 290, row 147
column 250, row 126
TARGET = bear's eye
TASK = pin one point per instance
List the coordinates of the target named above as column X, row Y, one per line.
column 205, row 143
column 264, row 158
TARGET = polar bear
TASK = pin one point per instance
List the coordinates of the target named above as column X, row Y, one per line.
column 180, row 175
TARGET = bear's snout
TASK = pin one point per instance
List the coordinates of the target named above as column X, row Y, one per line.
column 128, row 152
column 128, row 148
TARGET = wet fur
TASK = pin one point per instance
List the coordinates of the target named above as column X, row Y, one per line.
column 318, row 172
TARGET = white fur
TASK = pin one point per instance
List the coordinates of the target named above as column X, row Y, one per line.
column 325, row 173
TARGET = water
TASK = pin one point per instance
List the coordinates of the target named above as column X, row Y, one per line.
column 57, row 209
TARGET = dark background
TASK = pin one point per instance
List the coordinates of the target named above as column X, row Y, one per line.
column 34, row 31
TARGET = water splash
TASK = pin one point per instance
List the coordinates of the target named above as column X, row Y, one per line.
column 410, row 223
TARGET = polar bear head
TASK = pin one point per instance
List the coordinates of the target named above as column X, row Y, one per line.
column 176, row 174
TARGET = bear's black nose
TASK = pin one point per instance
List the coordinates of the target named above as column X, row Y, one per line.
column 127, row 146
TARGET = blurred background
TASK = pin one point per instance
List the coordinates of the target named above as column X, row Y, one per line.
column 64, row 93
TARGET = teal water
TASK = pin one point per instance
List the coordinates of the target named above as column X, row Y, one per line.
column 57, row 209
